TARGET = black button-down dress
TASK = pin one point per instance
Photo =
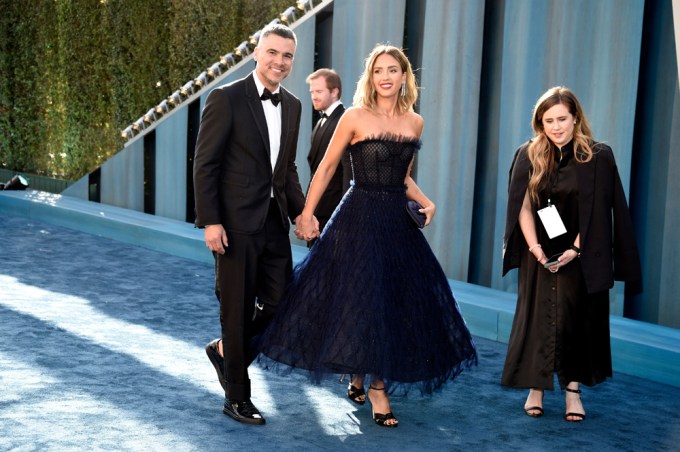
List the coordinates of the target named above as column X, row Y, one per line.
column 558, row 327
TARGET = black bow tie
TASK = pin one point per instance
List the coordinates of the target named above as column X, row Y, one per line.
column 323, row 115
column 275, row 98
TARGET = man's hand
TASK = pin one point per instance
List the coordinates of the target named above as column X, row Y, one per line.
column 297, row 232
column 216, row 238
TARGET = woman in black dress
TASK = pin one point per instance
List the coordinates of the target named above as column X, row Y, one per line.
column 370, row 297
column 564, row 200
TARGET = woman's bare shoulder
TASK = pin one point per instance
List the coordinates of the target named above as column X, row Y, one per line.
column 352, row 111
column 416, row 121
column 413, row 116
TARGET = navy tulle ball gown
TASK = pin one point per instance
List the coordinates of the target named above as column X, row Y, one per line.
column 370, row 296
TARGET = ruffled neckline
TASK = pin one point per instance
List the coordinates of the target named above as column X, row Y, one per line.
column 392, row 137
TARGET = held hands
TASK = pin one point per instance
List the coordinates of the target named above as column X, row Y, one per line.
column 306, row 228
column 216, row 238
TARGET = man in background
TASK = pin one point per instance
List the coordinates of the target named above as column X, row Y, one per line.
column 325, row 88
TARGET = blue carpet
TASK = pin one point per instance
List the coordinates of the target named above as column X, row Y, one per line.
column 101, row 348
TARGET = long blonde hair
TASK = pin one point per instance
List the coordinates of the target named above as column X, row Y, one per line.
column 366, row 95
column 540, row 149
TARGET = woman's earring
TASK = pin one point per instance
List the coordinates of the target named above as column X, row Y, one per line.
column 403, row 89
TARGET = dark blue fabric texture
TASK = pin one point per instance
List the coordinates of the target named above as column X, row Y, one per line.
column 370, row 296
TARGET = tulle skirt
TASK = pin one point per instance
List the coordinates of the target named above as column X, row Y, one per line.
column 371, row 298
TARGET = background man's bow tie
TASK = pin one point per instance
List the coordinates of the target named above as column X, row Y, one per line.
column 275, row 98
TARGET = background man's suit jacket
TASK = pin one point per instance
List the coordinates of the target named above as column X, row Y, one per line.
column 339, row 184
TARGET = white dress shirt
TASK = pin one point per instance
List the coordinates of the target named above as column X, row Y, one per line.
column 273, row 116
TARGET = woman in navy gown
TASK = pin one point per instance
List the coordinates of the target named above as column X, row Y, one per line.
column 370, row 296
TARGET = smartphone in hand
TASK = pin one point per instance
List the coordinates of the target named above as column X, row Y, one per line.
column 552, row 260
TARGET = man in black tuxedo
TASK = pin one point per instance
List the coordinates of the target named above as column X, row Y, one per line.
column 246, row 187
column 325, row 88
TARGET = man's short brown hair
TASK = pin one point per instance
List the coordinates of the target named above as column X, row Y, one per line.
column 332, row 79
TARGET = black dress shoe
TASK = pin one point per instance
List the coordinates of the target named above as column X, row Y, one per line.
column 217, row 361
column 243, row 412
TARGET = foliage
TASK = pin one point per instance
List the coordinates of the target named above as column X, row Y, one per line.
column 74, row 73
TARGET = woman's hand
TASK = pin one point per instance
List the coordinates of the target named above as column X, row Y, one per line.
column 538, row 253
column 566, row 257
column 429, row 212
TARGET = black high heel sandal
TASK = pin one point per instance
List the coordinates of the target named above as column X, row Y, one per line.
column 382, row 419
column 580, row 416
column 353, row 393
column 528, row 410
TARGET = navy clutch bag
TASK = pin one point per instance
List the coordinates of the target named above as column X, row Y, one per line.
column 417, row 217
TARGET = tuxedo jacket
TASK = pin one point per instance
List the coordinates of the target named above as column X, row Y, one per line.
column 338, row 185
column 608, row 249
column 233, row 176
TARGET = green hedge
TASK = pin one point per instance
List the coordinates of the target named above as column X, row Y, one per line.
column 74, row 73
